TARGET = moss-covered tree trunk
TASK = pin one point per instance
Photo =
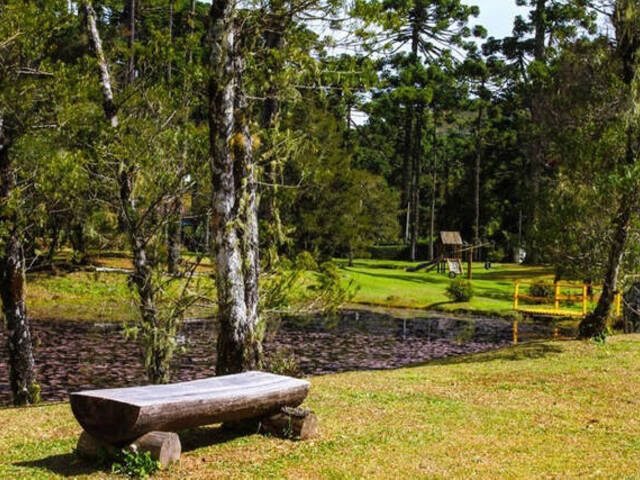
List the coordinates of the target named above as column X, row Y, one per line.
column 626, row 19
column 12, row 284
column 234, row 200
column 174, row 237
column 158, row 351
column 595, row 324
column 273, row 235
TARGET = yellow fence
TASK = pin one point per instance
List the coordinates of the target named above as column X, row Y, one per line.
column 563, row 294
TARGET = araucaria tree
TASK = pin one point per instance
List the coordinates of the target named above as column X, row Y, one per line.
column 234, row 196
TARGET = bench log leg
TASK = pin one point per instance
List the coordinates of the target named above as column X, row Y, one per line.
column 295, row 423
column 163, row 446
column 90, row 447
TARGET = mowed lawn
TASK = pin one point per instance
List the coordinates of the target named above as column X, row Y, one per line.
column 387, row 283
column 107, row 296
column 541, row 410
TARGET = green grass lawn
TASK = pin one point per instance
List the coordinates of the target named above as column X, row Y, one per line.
column 386, row 283
column 541, row 410
column 85, row 295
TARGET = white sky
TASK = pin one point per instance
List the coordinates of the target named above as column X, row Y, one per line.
column 497, row 15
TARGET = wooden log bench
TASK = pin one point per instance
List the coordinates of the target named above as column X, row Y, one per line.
column 146, row 418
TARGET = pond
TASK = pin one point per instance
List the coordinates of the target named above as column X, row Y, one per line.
column 74, row 356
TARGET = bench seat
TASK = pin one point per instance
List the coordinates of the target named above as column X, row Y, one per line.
column 120, row 415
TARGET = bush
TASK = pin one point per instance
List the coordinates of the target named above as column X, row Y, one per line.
column 135, row 464
column 542, row 290
column 398, row 252
column 389, row 252
column 460, row 290
column 305, row 261
column 283, row 364
column 496, row 255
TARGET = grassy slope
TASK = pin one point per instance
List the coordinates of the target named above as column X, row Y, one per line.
column 547, row 410
column 388, row 284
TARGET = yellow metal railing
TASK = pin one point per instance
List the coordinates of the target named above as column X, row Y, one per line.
column 584, row 298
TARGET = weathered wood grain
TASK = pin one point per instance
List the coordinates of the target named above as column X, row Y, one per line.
column 123, row 414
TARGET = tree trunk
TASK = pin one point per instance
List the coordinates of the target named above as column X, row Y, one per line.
column 170, row 64
column 537, row 156
column 476, row 179
column 192, row 18
column 407, row 177
column 274, row 41
column 236, row 257
column 249, row 215
column 595, row 324
column 22, row 376
column 415, row 196
column 414, row 146
column 174, row 235
column 131, row 71
column 432, row 220
column 157, row 354
column 174, row 230
column 78, row 243
column 53, row 244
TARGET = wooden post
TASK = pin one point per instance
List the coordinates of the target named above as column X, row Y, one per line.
column 515, row 332
column 584, row 299
column 515, row 296
column 163, row 446
column 556, row 300
column 294, row 423
column 618, row 304
column 470, row 265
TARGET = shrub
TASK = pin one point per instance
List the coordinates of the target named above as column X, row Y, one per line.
column 496, row 255
column 135, row 464
column 305, row 261
column 283, row 364
column 460, row 290
column 542, row 290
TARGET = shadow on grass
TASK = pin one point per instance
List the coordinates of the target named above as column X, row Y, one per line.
column 209, row 435
column 512, row 275
column 71, row 465
column 401, row 278
column 64, row 464
column 437, row 305
column 385, row 266
column 524, row 351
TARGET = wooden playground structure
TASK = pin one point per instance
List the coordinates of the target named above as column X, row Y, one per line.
column 569, row 294
column 449, row 257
